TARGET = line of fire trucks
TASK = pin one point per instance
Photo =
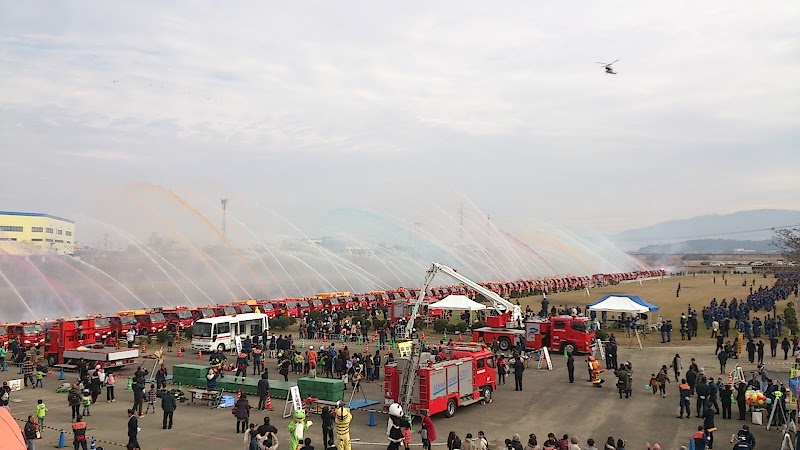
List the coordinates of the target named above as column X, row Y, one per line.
column 62, row 334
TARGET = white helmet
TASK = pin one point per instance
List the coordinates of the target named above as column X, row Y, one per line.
column 311, row 347
column 396, row 410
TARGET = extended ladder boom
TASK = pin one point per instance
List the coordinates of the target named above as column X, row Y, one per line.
column 498, row 303
column 410, row 373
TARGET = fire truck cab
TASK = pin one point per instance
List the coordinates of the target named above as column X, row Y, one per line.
column 29, row 334
column 178, row 318
column 458, row 375
column 559, row 333
column 224, row 311
column 70, row 340
column 103, row 328
column 68, row 334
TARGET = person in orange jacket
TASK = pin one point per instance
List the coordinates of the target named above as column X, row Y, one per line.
column 595, row 370
column 685, row 392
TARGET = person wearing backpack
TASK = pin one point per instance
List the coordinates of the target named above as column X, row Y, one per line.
column 453, row 441
column 110, row 381
column 74, row 400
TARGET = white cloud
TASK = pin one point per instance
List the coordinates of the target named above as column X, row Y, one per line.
column 503, row 104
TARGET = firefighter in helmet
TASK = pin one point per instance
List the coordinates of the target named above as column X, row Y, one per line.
column 595, row 371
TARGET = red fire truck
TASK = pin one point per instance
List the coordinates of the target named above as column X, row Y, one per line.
column 574, row 334
column 103, row 328
column 401, row 309
column 178, row 318
column 224, row 310
column 458, row 376
column 69, row 340
column 203, row 312
column 30, row 334
column 147, row 322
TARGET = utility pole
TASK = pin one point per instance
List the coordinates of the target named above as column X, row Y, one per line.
column 224, row 203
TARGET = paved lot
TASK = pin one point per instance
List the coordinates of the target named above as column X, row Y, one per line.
column 547, row 404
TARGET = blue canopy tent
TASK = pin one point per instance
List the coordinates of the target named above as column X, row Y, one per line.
column 634, row 298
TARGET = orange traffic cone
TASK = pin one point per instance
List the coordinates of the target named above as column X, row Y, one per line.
column 269, row 403
column 180, row 352
column 199, row 355
column 366, row 348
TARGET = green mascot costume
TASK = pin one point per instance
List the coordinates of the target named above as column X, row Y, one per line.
column 297, row 429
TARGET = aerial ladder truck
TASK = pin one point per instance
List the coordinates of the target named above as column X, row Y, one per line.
column 482, row 388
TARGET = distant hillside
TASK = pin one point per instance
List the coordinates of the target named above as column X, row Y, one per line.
column 751, row 225
column 710, row 246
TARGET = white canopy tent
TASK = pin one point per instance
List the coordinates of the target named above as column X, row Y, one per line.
column 619, row 304
column 457, row 303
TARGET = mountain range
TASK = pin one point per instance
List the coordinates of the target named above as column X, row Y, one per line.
column 713, row 233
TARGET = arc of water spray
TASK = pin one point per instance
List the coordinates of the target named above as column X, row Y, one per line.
column 461, row 259
column 41, row 275
column 213, row 228
column 505, row 241
column 309, row 267
column 318, row 249
column 16, row 292
column 264, row 263
column 497, row 263
column 363, row 245
column 439, row 244
column 406, row 231
column 204, row 258
column 114, row 280
column 264, row 246
column 358, row 271
column 549, row 266
column 139, row 247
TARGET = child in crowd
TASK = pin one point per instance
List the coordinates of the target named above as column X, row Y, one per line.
column 41, row 411
column 86, row 399
column 151, row 399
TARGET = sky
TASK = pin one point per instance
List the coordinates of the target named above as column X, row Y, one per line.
column 309, row 107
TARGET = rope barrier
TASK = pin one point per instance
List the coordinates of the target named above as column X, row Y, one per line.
column 59, row 430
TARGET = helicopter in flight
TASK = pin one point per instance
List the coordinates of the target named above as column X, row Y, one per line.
column 608, row 68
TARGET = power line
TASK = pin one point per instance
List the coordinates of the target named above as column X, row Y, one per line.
column 700, row 236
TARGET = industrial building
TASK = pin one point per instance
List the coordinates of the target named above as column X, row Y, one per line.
column 35, row 233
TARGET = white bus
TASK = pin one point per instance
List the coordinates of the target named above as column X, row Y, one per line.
column 220, row 332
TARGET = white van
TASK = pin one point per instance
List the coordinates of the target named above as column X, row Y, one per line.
column 220, row 332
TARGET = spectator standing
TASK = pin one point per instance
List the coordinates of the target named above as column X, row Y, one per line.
column 241, row 410
column 79, row 433
column 30, row 433
column 110, row 382
column 519, row 367
column 168, row 405
column 41, row 412
column 133, row 430
column 571, row 367
column 28, row 372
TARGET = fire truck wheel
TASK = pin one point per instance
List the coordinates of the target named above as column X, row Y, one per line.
column 504, row 343
column 487, row 395
column 51, row 360
column 568, row 346
column 451, row 408
column 221, row 348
